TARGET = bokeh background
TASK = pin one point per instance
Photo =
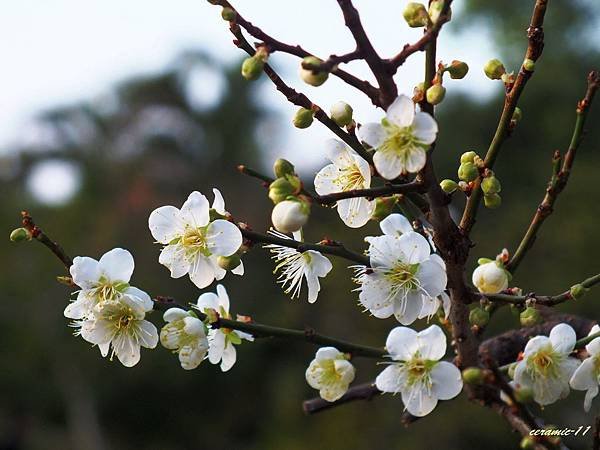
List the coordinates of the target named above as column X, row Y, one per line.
column 110, row 111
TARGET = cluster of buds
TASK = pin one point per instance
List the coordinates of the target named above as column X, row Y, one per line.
column 495, row 70
column 291, row 209
column 436, row 93
column 417, row 15
column 253, row 66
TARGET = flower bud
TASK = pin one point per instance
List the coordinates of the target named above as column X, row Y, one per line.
column 448, row 186
column 527, row 443
column 416, row 15
column 530, row 317
column 457, row 69
column 20, row 235
column 435, row 94
column 494, row 69
column 490, row 185
column 290, row 215
column 492, row 201
column 490, row 278
column 280, row 189
column 435, row 9
column 523, row 394
column 252, row 68
column 529, row 65
column 303, row 118
column 467, row 172
column 229, row 262
column 517, row 114
column 468, row 157
column 577, row 291
column 282, row 167
column 384, row 207
column 473, row 375
column 310, row 76
column 228, row 14
column 341, row 113
column 479, row 316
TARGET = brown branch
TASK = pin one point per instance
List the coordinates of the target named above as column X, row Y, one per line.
column 560, row 175
column 37, row 233
column 388, row 90
column 535, row 34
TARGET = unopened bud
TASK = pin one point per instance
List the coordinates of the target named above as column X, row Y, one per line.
column 473, row 375
column 303, row 118
column 310, row 76
column 229, row 262
column 529, row 65
column 490, row 185
column 435, row 9
column 416, row 15
column 448, row 186
column 280, row 189
column 492, row 201
column 467, row 157
column 578, row 291
column 341, row 113
column 523, row 394
column 435, row 94
column 517, row 114
column 383, row 207
column 530, row 317
column 20, row 235
column 457, row 70
column 282, row 167
column 290, row 215
column 468, row 172
column 252, row 68
column 527, row 443
column 479, row 316
column 494, row 69
column 228, row 14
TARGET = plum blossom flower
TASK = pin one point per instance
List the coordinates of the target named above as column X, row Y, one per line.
column 104, row 280
column 331, row 373
column 417, row 372
column 401, row 140
column 587, row 376
column 402, row 277
column 185, row 334
column 546, row 367
column 221, row 341
column 120, row 324
column 347, row 171
column 193, row 241
column 295, row 266
column 490, row 277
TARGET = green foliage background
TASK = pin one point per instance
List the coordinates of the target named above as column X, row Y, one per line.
column 57, row 393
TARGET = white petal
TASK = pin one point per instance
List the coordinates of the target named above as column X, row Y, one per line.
column 432, row 343
column 430, row 307
column 391, row 379
column 104, row 348
column 173, row 314
column 326, row 180
column 418, row 401
column 415, row 159
column 190, row 357
column 223, row 297
column 373, row 134
column 401, row 112
column 126, row 349
column 355, row 212
column 147, row 334
column 338, row 153
column 239, row 270
column 563, row 338
column 325, row 353
column 174, row 258
column 402, row 343
column 389, row 164
column 395, row 225
column 142, row 296
column 425, row 127
column 193, row 326
column 228, row 358
column 218, row 203
column 312, row 282
column 97, row 331
column 589, row 396
column 223, row 238
column 216, row 346
column 319, row 264
column 446, row 304
column 201, row 272
column 432, row 277
column 165, row 224
column 208, row 300
column 415, row 248
column 195, row 210
column 407, row 309
column 85, row 272
column 584, row 377
column 447, row 380
column 536, row 343
column 80, row 308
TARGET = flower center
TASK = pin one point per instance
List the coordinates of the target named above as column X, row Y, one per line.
column 194, row 241
column 545, row 362
column 328, row 373
column 350, row 178
column 402, row 275
column 419, row 370
column 400, row 140
column 106, row 290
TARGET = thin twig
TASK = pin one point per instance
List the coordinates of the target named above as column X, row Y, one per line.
column 365, row 391
column 42, row 237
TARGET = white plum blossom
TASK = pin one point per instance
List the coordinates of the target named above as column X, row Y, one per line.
column 546, row 367
column 587, row 375
column 347, row 171
column 185, row 334
column 490, row 277
column 120, row 323
column 290, row 216
column 401, row 139
column 432, row 305
column 330, row 373
column 417, row 372
column 107, row 279
column 221, row 341
column 192, row 241
column 403, row 276
column 293, row 266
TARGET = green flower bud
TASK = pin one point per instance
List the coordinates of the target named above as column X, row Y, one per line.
column 384, row 207
column 517, row 114
column 492, row 201
column 282, row 167
column 435, row 9
column 341, row 113
column 303, row 118
column 448, row 186
column 467, row 172
column 479, row 316
column 494, row 69
column 468, row 157
column 530, row 317
column 473, row 375
column 416, row 15
column 229, row 262
column 515, row 310
column 435, row 94
column 529, row 65
column 252, row 68
column 20, row 235
column 577, row 291
column 280, row 189
column 490, row 185
column 309, row 76
column 228, row 14
column 527, row 443
column 523, row 394
column 457, row 69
